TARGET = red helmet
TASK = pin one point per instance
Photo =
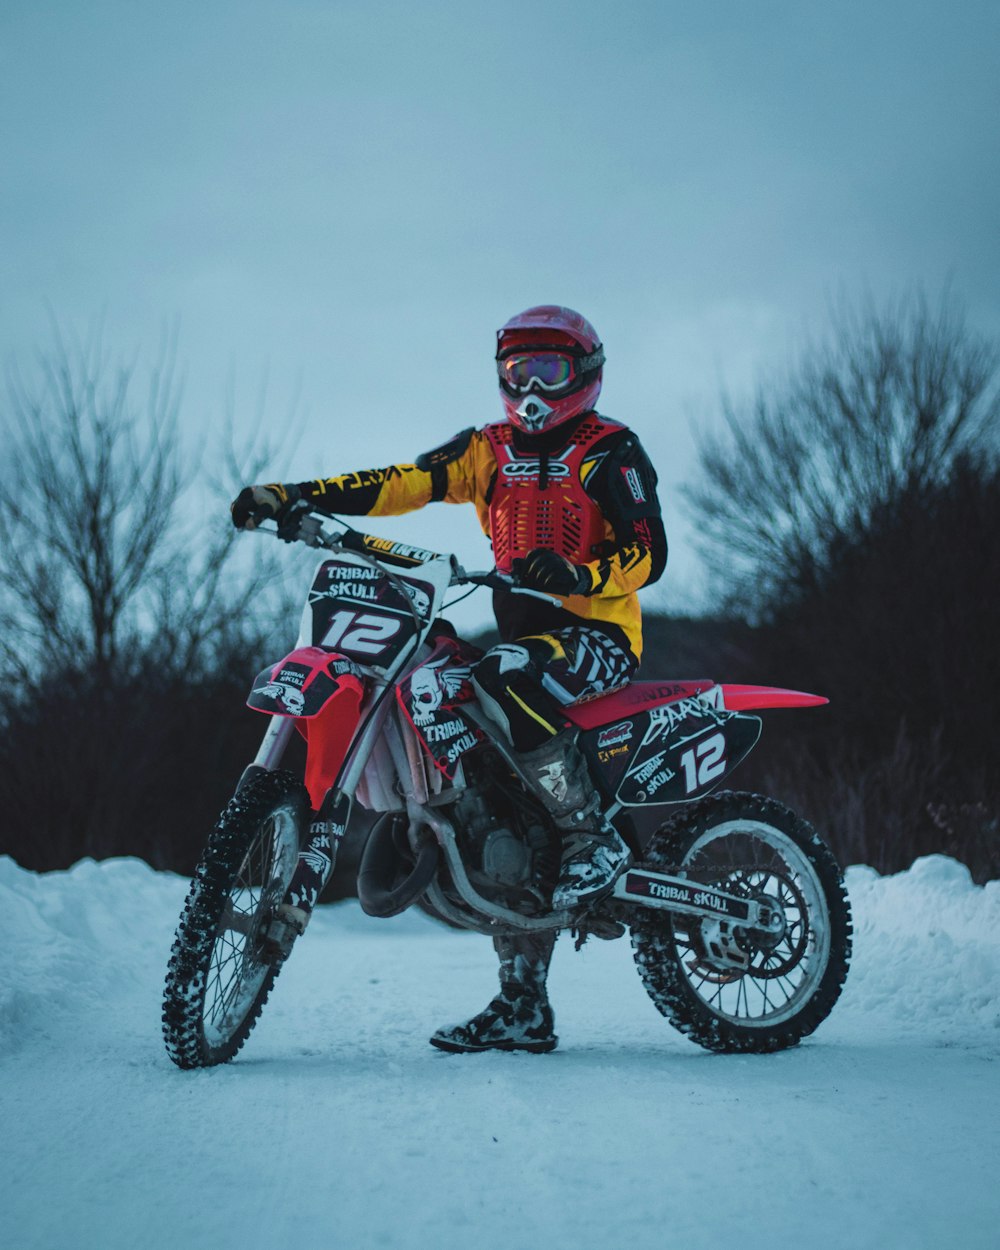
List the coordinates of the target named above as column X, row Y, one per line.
column 550, row 364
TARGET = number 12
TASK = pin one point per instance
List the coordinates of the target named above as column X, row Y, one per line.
column 703, row 763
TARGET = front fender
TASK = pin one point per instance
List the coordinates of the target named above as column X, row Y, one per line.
column 323, row 692
column 303, row 683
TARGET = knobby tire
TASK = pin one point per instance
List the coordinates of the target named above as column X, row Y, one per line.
column 679, row 978
column 222, row 912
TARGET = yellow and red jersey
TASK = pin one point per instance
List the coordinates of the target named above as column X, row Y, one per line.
column 585, row 489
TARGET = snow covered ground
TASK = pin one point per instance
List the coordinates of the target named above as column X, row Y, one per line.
column 338, row 1126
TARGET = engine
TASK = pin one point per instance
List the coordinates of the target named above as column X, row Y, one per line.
column 509, row 848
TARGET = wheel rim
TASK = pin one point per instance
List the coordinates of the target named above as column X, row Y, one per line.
column 756, row 860
column 235, row 972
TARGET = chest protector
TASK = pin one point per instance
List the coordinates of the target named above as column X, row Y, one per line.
column 541, row 501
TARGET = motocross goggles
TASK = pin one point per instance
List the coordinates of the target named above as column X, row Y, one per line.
column 551, row 371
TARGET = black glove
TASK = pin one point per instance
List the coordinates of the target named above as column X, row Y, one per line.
column 544, row 570
column 265, row 503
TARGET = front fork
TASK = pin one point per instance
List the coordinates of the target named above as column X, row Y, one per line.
column 272, row 747
column 318, row 853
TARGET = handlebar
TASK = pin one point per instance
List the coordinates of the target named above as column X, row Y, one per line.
column 311, row 532
column 492, row 578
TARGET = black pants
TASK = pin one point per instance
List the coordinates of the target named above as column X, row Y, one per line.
column 524, row 685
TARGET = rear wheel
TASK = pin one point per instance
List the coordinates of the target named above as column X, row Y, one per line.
column 730, row 988
column 218, row 978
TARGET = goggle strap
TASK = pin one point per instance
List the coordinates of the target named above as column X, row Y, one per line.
column 584, row 364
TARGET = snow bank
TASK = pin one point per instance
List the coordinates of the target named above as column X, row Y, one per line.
column 926, row 952
column 926, row 961
column 339, row 1126
column 76, row 939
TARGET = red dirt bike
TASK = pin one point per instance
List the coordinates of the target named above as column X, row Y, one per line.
column 738, row 916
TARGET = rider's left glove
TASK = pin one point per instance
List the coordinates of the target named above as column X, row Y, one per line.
column 275, row 501
column 545, row 570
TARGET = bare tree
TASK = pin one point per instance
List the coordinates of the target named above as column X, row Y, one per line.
column 128, row 628
column 84, row 504
column 95, row 555
column 883, row 410
column 854, row 513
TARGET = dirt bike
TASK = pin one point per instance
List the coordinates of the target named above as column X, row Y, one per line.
column 739, row 921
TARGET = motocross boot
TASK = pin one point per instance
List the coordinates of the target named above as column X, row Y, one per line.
column 594, row 853
column 519, row 1018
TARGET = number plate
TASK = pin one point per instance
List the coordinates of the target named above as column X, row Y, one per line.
column 671, row 753
column 359, row 613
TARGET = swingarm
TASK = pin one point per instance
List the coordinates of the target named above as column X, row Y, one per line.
column 663, row 892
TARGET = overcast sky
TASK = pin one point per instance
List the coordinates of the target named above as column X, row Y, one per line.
column 347, row 199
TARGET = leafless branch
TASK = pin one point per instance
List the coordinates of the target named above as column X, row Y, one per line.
column 885, row 407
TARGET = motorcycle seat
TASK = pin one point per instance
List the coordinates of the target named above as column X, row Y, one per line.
column 632, row 699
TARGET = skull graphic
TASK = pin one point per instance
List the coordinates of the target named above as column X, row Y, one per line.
column 293, row 699
column 420, row 600
column 425, row 695
column 553, row 778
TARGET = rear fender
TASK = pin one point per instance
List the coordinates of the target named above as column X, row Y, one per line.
column 639, row 696
column 676, row 741
column 745, row 698
column 322, row 691
column 670, row 752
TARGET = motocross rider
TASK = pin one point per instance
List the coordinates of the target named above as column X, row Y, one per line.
column 568, row 500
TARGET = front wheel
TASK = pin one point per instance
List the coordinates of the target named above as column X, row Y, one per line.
column 733, row 989
column 219, row 978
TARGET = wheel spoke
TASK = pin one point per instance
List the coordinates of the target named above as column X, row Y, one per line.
column 234, row 975
column 740, row 988
column 743, row 863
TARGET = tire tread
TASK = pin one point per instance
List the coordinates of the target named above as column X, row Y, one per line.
column 190, row 955
column 653, row 945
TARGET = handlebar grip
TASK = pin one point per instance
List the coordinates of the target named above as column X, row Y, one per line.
column 494, row 579
column 353, row 540
column 257, row 516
